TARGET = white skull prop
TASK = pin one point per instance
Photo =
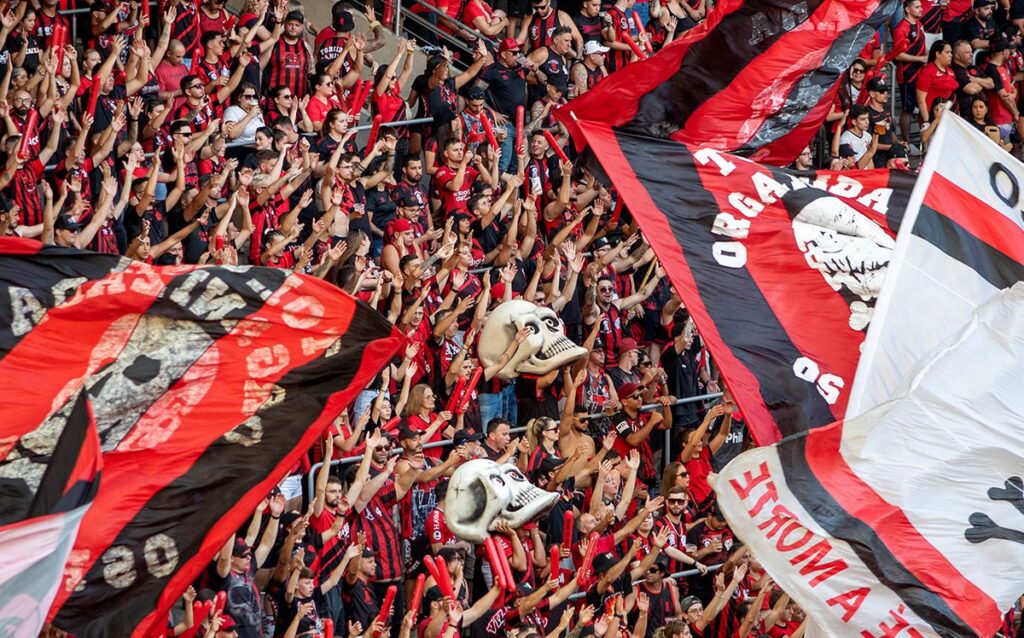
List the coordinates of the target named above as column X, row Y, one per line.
column 481, row 493
column 848, row 249
column 546, row 349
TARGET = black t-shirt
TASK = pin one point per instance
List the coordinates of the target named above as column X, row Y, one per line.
column 882, row 117
column 975, row 30
column 681, row 370
column 382, row 206
column 506, row 88
column 733, row 444
column 963, row 100
column 196, row 243
column 361, row 603
column 443, row 102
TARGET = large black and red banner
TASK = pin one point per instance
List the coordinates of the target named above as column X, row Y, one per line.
column 756, row 78
column 779, row 269
column 206, row 384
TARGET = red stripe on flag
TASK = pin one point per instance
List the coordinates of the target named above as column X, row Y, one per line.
column 660, row 234
column 225, row 369
column 975, row 216
column 18, row 246
column 750, row 93
column 628, row 85
column 52, row 360
column 375, row 352
column 898, row 534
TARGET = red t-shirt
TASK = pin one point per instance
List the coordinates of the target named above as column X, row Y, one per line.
column 699, row 467
column 317, row 110
column 936, row 83
column 454, row 200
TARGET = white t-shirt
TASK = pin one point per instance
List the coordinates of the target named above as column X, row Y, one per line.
column 235, row 113
column 860, row 144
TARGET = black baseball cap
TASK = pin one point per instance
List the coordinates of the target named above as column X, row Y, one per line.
column 462, row 436
column 878, row 84
column 67, row 222
column 295, row 16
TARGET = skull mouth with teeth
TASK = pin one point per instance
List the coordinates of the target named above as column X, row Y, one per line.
column 545, row 349
column 482, row 493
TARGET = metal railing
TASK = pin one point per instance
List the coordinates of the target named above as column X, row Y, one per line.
column 311, row 477
column 437, row 30
column 683, row 574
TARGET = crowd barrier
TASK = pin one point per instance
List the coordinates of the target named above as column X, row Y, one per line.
column 666, row 454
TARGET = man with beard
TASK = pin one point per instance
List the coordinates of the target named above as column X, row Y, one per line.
column 417, row 476
column 603, row 307
column 334, row 519
column 375, row 510
column 21, row 175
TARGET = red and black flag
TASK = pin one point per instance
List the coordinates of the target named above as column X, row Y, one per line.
column 756, row 78
column 49, row 474
column 206, row 385
column 779, row 269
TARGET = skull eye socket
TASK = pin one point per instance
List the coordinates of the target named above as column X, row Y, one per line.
column 552, row 322
column 497, row 479
column 515, row 475
column 533, row 326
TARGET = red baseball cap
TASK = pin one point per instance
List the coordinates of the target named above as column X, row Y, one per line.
column 628, row 344
column 401, row 225
column 508, row 44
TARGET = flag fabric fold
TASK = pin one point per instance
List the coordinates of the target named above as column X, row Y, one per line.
column 755, row 78
column 206, row 386
column 965, row 241
column 907, row 520
column 779, row 269
column 48, row 477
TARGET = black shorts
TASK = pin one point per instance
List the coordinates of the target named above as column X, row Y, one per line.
column 908, row 96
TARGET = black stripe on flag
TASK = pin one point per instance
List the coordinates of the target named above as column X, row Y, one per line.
column 211, row 490
column 745, row 320
column 756, row 28
column 958, row 243
column 55, row 494
column 862, row 539
column 41, row 278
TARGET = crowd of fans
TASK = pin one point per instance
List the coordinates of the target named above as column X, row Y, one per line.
column 962, row 55
column 182, row 133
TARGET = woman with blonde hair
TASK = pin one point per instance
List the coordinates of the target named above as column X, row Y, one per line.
column 420, row 416
column 542, row 435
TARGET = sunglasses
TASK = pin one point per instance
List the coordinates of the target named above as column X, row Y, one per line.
column 635, row 397
column 677, row 501
column 196, row 86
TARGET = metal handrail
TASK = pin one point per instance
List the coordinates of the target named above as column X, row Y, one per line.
column 656, row 406
column 448, row 18
column 682, row 574
column 311, row 477
column 456, row 42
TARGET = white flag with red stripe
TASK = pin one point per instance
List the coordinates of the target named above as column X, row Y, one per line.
column 961, row 241
column 907, row 521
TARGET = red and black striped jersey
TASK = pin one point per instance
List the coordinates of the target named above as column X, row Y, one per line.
column 378, row 523
column 288, row 67
column 23, row 191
